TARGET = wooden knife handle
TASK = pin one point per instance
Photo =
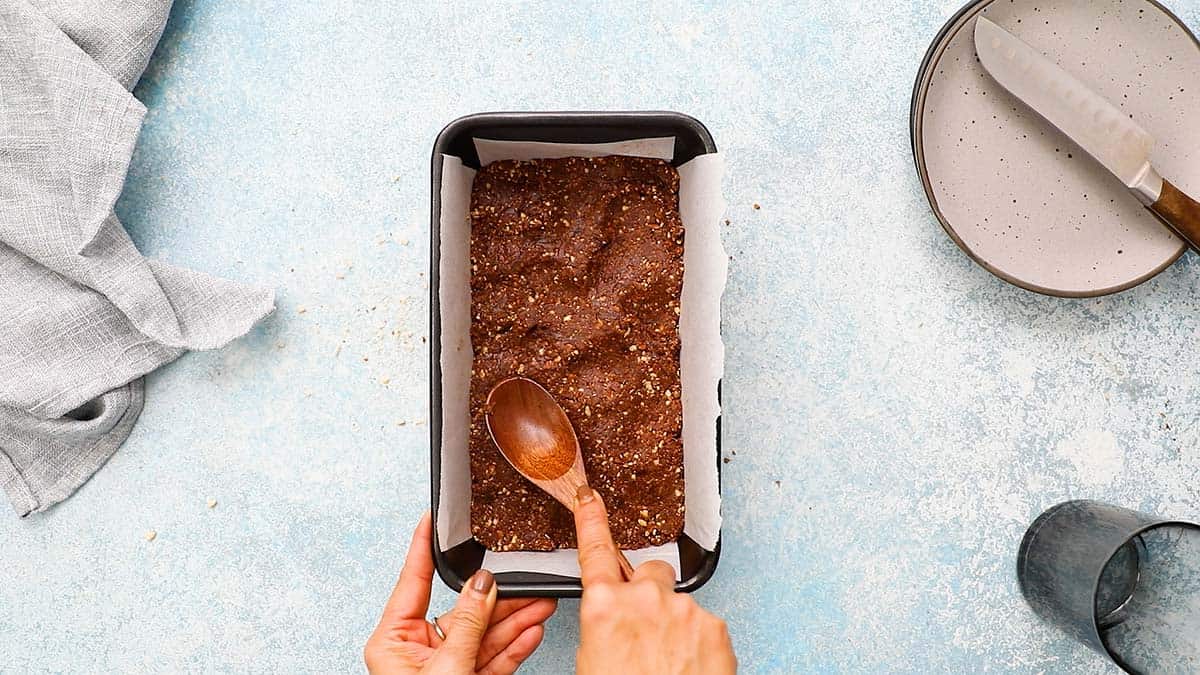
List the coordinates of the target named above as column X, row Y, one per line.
column 1180, row 212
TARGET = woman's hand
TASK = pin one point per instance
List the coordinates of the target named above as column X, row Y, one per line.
column 640, row 625
column 482, row 635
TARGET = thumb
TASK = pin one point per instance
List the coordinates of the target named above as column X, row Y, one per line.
column 472, row 614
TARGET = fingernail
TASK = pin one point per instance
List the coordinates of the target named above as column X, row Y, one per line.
column 584, row 495
column 482, row 582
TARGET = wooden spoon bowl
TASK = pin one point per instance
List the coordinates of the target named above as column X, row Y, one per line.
column 535, row 436
column 533, row 433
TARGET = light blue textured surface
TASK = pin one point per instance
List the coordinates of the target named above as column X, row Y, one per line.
column 898, row 415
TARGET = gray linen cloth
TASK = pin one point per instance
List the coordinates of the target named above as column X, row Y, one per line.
column 83, row 316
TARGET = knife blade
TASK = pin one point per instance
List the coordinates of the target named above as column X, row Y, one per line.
column 1101, row 129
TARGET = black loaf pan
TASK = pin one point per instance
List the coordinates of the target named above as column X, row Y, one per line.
column 692, row 139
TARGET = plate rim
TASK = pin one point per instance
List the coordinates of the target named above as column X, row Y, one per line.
column 933, row 55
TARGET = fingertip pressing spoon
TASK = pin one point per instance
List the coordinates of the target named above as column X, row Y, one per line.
column 535, row 436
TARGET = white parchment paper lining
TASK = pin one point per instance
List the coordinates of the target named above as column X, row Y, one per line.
column 702, row 353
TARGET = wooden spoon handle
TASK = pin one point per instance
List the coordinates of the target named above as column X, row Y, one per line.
column 626, row 567
column 1180, row 212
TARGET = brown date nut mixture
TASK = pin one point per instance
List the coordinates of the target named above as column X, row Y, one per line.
column 576, row 273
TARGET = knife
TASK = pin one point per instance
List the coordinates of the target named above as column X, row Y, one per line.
column 1110, row 136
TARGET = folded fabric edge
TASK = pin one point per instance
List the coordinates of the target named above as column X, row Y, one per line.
column 26, row 500
column 141, row 359
column 244, row 305
column 15, row 487
column 264, row 307
column 89, row 127
column 150, row 357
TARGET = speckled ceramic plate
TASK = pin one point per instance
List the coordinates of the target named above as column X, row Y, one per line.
column 1015, row 193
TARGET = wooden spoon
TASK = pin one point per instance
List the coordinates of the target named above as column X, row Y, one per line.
column 533, row 433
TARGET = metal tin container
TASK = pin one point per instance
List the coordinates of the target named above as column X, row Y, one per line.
column 692, row 139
